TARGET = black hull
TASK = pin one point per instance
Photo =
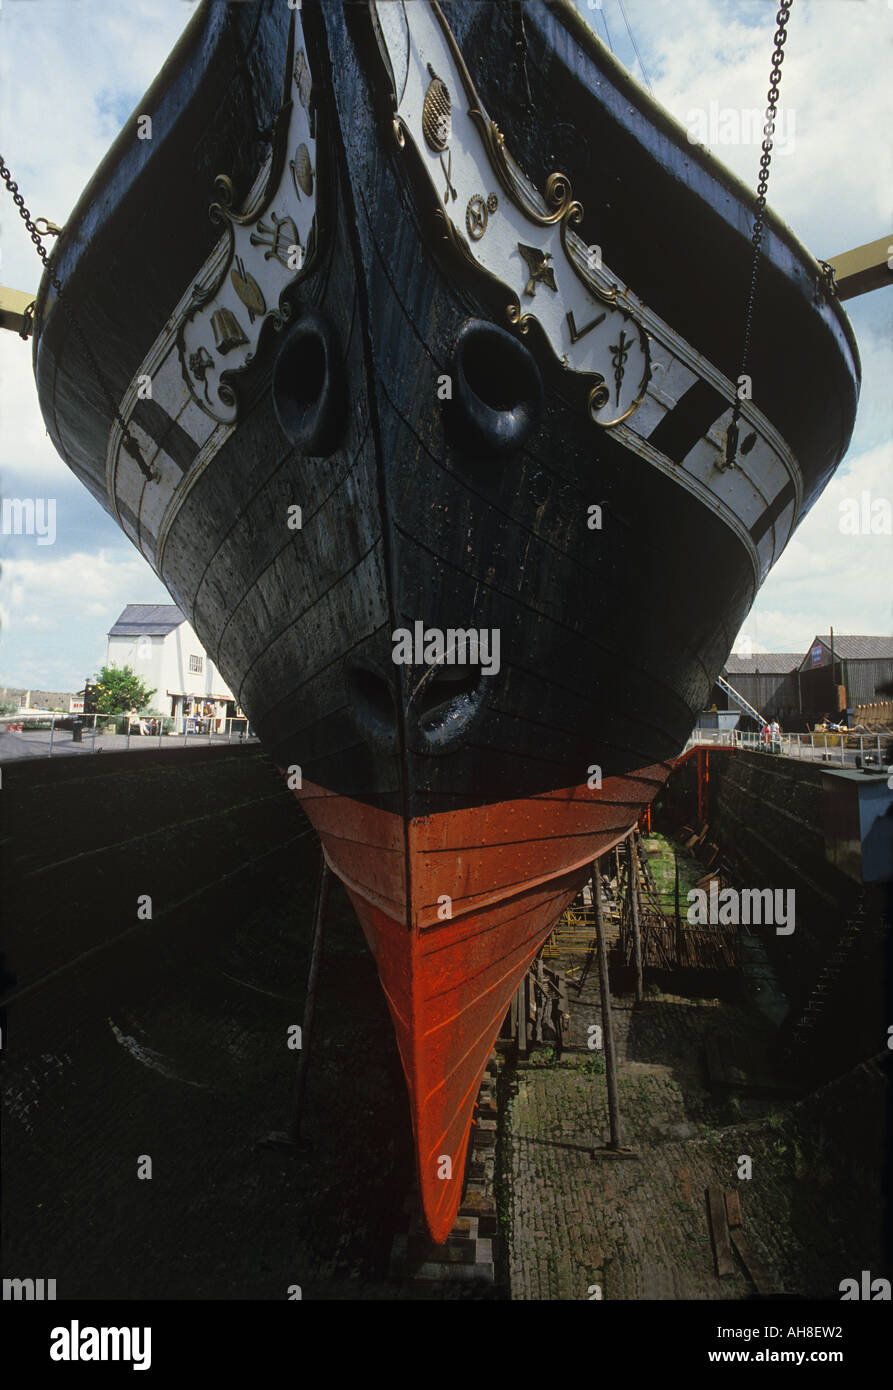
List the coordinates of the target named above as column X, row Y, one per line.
column 611, row 639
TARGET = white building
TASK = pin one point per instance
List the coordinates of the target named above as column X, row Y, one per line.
column 161, row 647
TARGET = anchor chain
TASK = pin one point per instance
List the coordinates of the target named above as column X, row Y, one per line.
column 756, row 238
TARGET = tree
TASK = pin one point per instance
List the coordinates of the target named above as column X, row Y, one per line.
column 119, row 689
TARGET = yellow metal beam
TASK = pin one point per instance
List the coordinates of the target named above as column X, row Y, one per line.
column 13, row 304
column 865, row 268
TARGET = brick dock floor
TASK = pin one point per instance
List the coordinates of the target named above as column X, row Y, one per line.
column 639, row 1229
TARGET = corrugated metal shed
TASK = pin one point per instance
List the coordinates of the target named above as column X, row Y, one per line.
column 862, row 663
column 848, row 647
column 767, row 679
column 763, row 663
column 862, row 679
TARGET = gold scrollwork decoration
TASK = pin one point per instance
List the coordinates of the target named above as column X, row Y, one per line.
column 599, row 397
column 560, row 197
column 555, row 206
column 606, row 296
column 566, row 210
column 518, row 320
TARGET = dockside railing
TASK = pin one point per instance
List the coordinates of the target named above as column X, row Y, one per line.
column 840, row 749
column 49, row 734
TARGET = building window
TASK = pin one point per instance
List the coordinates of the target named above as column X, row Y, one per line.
column 195, row 664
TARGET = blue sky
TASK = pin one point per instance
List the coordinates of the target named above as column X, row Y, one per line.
column 71, row 71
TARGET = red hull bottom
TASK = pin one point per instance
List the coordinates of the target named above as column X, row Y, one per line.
column 455, row 907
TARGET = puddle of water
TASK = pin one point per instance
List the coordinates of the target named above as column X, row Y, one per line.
column 155, row 1061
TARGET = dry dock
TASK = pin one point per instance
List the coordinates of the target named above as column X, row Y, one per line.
column 132, row 1036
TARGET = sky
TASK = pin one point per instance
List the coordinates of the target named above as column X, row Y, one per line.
column 71, row 72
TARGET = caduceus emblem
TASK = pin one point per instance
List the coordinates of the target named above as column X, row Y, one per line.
column 619, row 354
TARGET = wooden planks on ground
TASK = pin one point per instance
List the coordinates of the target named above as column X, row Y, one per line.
column 719, row 1231
column 755, row 1270
column 733, row 1209
column 726, row 1230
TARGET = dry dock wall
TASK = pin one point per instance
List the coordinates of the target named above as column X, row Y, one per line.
column 766, row 813
column 99, row 850
column 167, row 1038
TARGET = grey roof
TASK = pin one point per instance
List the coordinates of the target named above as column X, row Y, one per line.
column 147, row 620
column 849, row 648
column 767, row 663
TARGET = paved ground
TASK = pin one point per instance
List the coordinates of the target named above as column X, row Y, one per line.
column 638, row 1229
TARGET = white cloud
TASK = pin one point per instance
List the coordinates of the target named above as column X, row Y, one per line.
column 827, row 578
column 25, row 446
column 56, row 612
column 68, row 74
column 836, row 186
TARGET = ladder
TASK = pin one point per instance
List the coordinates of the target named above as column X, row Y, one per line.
column 828, row 982
column 740, row 700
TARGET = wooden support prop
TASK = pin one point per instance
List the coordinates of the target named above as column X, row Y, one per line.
column 291, row 1138
column 615, row 1148
column 634, row 910
column 522, row 1017
column 564, row 1008
column 677, row 918
column 540, row 1001
column 719, row 1230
